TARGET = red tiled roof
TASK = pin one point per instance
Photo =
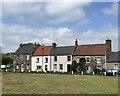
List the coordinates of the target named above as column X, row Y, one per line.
column 88, row 50
column 42, row 51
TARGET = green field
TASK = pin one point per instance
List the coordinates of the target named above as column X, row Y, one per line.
column 32, row 83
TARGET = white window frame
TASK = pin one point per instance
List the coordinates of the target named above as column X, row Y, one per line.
column 37, row 60
column 87, row 58
column 55, row 58
column 17, row 66
column 61, row 68
column 27, row 57
column 46, row 59
column 68, row 58
column 98, row 60
column 55, row 66
column 39, row 67
column 78, row 60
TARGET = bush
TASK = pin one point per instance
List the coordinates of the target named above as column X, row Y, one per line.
column 97, row 71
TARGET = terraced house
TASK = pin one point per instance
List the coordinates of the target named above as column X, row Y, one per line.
column 22, row 57
column 41, row 60
column 33, row 57
column 95, row 54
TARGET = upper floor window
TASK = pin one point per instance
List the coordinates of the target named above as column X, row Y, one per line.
column 55, row 58
column 28, row 57
column 98, row 59
column 87, row 59
column 46, row 60
column 68, row 58
column 37, row 60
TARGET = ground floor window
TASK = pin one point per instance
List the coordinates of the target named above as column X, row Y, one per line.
column 39, row 67
column 27, row 66
column 116, row 66
column 17, row 66
column 61, row 66
column 55, row 66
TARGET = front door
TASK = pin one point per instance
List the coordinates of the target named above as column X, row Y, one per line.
column 46, row 67
column 68, row 67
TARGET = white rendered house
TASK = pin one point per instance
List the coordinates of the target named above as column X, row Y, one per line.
column 61, row 58
column 41, row 59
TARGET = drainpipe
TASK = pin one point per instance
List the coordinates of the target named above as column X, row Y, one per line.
column 42, row 58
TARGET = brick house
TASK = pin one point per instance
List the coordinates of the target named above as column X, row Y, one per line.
column 113, row 61
column 95, row 54
column 22, row 57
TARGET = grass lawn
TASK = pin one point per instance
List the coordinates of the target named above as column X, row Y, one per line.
column 32, row 83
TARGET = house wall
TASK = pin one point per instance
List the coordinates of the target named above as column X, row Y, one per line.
column 22, row 62
column 41, row 62
column 112, row 65
column 60, row 60
column 93, row 62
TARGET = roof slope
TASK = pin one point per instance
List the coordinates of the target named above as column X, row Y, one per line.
column 90, row 50
column 42, row 51
column 27, row 49
column 62, row 50
column 113, row 57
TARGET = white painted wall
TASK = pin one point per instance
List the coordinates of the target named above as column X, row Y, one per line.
column 41, row 62
column 60, row 60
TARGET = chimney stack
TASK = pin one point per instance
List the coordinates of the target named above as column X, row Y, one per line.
column 54, row 45
column 76, row 42
column 108, row 43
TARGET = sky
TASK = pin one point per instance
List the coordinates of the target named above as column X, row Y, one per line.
column 59, row 22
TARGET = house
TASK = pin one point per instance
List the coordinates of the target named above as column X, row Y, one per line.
column 22, row 57
column 41, row 59
column 95, row 54
column 61, row 58
column 113, row 61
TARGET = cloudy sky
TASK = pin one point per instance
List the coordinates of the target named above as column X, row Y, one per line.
column 60, row 22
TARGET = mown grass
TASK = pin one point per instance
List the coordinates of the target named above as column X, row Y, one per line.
column 32, row 83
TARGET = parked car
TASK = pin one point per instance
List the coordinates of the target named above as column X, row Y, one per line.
column 8, row 67
column 112, row 72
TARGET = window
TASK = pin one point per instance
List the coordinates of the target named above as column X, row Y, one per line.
column 46, row 60
column 17, row 66
column 39, row 67
column 55, row 66
column 78, row 60
column 55, row 58
column 27, row 66
column 69, row 58
column 98, row 59
column 37, row 60
column 27, row 57
column 61, row 66
column 87, row 59
column 116, row 66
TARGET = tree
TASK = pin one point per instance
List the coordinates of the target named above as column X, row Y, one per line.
column 82, row 66
column 7, row 58
column 74, row 66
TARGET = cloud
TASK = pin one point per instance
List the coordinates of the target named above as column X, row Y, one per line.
column 15, row 34
column 111, row 10
column 66, row 11
column 52, row 12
